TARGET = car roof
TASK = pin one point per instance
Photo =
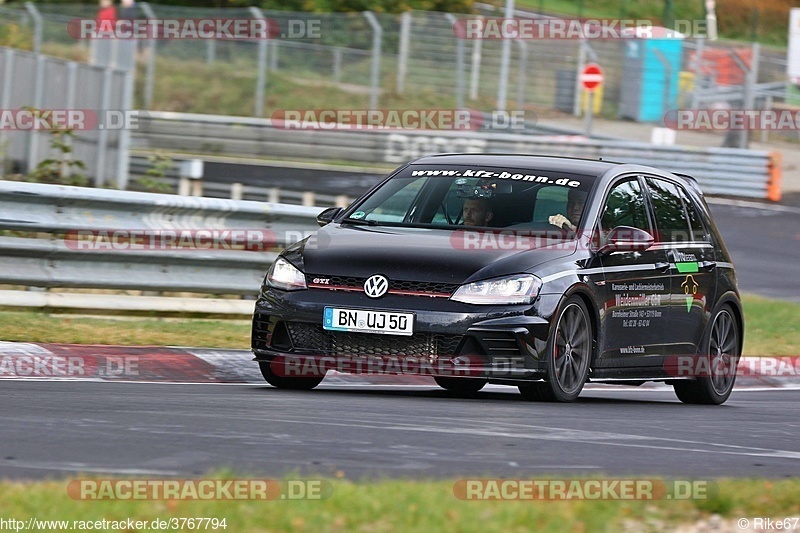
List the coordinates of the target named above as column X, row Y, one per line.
column 559, row 164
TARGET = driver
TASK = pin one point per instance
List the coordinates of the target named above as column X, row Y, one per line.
column 477, row 212
column 575, row 201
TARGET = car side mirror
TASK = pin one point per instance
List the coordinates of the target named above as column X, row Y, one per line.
column 626, row 239
column 327, row 216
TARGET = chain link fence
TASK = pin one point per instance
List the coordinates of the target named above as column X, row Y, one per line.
column 411, row 60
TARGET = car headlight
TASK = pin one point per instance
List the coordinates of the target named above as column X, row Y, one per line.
column 283, row 275
column 517, row 289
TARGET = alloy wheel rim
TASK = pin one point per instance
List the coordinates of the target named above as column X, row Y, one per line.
column 723, row 347
column 572, row 348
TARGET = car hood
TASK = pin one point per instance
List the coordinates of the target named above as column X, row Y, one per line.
column 442, row 256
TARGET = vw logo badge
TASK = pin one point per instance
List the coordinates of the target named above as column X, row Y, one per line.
column 376, row 286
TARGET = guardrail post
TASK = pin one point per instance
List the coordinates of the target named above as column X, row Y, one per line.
column 377, row 38
column 521, row 71
column 309, row 198
column 768, row 107
column 750, row 95
column 749, row 89
column 402, row 54
column 190, row 173
column 475, row 75
column 342, row 200
column 337, row 64
column 72, row 76
column 124, row 137
column 273, row 57
column 274, row 196
column 211, row 50
column 150, row 74
column 102, row 134
column 576, row 101
column 237, row 191
column 5, row 103
column 37, row 26
column 459, row 64
column 505, row 58
column 33, row 135
column 261, row 68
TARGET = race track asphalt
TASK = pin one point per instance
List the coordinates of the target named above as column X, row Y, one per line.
column 764, row 242
column 62, row 429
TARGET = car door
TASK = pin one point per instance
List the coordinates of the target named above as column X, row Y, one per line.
column 690, row 253
column 636, row 284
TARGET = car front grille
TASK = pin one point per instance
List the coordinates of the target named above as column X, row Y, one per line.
column 427, row 346
column 261, row 336
column 500, row 344
column 396, row 286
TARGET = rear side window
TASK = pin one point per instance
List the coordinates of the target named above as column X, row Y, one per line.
column 671, row 218
column 695, row 220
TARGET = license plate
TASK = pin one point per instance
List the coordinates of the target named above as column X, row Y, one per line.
column 364, row 321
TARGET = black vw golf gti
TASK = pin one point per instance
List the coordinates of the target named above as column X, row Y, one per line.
column 538, row 272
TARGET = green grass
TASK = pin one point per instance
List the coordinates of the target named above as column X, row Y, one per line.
column 770, row 329
column 229, row 88
column 403, row 505
column 34, row 326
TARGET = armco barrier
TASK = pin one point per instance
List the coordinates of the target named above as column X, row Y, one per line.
column 728, row 171
column 54, row 211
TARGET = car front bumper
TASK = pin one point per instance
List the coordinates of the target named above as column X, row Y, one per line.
column 501, row 343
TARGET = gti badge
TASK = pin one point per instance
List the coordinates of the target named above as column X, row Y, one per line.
column 376, row 286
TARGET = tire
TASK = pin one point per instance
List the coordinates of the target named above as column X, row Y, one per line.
column 569, row 354
column 460, row 385
column 721, row 346
column 283, row 382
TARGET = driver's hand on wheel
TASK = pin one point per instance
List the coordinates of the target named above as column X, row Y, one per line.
column 561, row 221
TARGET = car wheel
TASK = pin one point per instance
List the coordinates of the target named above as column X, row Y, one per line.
column 283, row 382
column 460, row 385
column 569, row 353
column 721, row 348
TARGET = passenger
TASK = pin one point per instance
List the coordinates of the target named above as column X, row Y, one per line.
column 575, row 203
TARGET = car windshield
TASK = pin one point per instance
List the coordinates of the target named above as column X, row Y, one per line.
column 487, row 197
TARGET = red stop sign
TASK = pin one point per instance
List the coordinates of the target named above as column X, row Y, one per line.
column 592, row 76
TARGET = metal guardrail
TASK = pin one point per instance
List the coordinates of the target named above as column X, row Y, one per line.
column 236, row 190
column 728, row 171
column 735, row 93
column 53, row 261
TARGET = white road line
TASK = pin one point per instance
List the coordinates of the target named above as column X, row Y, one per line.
column 703, row 447
column 84, row 468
